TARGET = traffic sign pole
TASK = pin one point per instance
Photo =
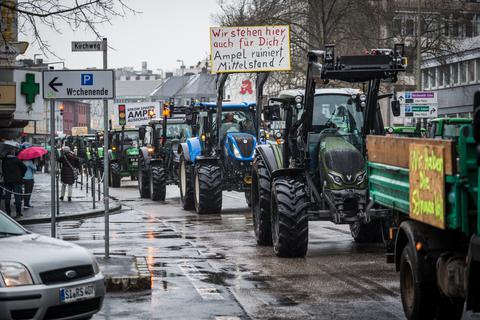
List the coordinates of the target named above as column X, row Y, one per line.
column 105, row 160
column 53, row 169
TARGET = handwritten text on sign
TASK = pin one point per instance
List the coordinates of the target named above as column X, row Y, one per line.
column 427, row 185
column 250, row 49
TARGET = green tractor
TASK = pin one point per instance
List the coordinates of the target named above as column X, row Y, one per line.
column 159, row 158
column 123, row 155
column 319, row 172
column 447, row 128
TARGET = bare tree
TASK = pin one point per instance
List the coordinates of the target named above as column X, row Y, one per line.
column 30, row 15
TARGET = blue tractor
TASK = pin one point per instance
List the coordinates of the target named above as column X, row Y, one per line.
column 220, row 157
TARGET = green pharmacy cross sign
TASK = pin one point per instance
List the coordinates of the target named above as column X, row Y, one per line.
column 29, row 88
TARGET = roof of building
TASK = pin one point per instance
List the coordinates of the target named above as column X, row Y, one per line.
column 135, row 88
column 199, row 85
column 170, row 87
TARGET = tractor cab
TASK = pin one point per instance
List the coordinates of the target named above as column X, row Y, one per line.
column 123, row 155
column 447, row 128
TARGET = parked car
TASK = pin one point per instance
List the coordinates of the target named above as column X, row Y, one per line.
column 46, row 278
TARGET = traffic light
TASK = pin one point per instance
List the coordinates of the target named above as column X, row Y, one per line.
column 61, row 108
column 122, row 115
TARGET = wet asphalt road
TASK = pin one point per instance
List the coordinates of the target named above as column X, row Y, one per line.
column 209, row 267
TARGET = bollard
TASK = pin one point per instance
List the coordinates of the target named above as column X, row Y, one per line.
column 57, row 184
column 99, row 179
column 93, row 191
column 81, row 181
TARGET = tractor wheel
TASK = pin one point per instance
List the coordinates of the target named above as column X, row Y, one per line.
column 207, row 189
column 115, row 175
column 366, row 232
column 419, row 296
column 289, row 210
column 158, row 183
column 185, row 184
column 144, row 183
column 262, row 221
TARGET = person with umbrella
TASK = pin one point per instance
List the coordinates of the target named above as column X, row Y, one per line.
column 27, row 155
column 13, row 171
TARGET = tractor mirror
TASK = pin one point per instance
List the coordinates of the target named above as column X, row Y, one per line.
column 141, row 133
column 395, row 105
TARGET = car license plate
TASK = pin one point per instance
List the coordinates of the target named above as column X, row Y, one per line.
column 134, row 163
column 73, row 294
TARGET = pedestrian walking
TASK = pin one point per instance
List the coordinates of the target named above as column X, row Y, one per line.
column 13, row 172
column 28, row 182
column 69, row 164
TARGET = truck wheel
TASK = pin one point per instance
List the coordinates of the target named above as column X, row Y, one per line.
column 366, row 232
column 158, row 186
column 418, row 297
column 115, row 175
column 289, row 218
column 185, row 184
column 144, row 183
column 262, row 223
column 207, row 189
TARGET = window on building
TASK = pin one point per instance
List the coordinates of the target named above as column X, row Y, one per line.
column 397, row 27
column 455, row 28
column 433, row 77
column 446, row 71
column 469, row 26
column 476, row 25
column 409, row 27
column 425, row 79
column 147, row 77
column 455, row 73
column 463, row 72
column 446, row 26
column 471, row 70
column 478, row 69
column 137, row 78
column 441, row 75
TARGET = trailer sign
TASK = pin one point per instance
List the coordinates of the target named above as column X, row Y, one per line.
column 418, row 104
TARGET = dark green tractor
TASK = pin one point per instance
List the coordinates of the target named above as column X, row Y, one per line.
column 123, row 155
column 159, row 158
column 319, row 172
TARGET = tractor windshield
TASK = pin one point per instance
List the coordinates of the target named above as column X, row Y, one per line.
column 336, row 111
column 175, row 131
column 236, row 121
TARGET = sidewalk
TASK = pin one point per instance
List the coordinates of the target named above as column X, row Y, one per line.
column 80, row 207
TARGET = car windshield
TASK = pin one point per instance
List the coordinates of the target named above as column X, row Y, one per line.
column 336, row 111
column 236, row 121
column 175, row 130
column 8, row 228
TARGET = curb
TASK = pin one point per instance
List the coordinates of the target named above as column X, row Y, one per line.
column 140, row 282
column 87, row 214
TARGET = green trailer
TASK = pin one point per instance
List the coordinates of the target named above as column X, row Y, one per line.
column 429, row 189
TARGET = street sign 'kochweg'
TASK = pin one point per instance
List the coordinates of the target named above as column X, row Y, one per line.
column 78, row 84
column 87, row 46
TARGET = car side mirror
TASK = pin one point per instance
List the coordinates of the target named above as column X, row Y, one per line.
column 395, row 105
column 141, row 133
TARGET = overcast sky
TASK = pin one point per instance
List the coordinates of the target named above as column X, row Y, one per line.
column 164, row 31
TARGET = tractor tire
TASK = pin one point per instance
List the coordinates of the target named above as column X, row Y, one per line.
column 289, row 210
column 144, row 183
column 185, row 184
column 262, row 220
column 420, row 298
column 207, row 189
column 366, row 232
column 158, row 183
column 115, row 175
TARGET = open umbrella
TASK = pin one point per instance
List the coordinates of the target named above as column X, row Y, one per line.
column 32, row 153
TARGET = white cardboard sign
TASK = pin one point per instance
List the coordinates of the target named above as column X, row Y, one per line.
column 250, row 49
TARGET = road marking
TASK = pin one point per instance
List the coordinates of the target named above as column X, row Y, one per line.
column 195, row 277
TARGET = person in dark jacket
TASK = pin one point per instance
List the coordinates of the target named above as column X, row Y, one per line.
column 69, row 164
column 13, row 172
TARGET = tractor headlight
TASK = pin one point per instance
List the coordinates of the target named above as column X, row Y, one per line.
column 335, row 178
column 236, row 152
column 15, row 274
column 361, row 177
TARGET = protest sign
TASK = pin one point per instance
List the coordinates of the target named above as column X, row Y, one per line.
column 250, row 49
